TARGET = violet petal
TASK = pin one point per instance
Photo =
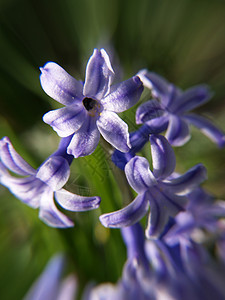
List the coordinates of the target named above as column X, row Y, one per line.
column 207, row 128
column 163, row 157
column 138, row 174
column 59, row 85
column 185, row 183
column 158, row 125
column 75, row 202
column 99, row 75
column 123, row 95
column 148, row 111
column 114, row 130
column 85, row 140
column 162, row 206
column 12, row 160
column 54, row 172
column 178, row 131
column 192, row 98
column 67, row 120
column 128, row 215
column 50, row 214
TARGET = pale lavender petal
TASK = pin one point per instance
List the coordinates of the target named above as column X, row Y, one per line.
column 148, row 111
column 157, row 84
column 163, row 157
column 138, row 174
column 47, row 285
column 28, row 189
column 50, row 214
column 75, row 202
column 178, row 131
column 54, row 172
column 59, row 85
column 67, row 120
column 128, row 215
column 207, row 128
column 123, row 95
column 158, row 125
column 99, row 75
column 160, row 87
column 85, row 140
column 162, row 206
column 12, row 160
column 192, row 98
column 187, row 182
column 68, row 288
column 114, row 130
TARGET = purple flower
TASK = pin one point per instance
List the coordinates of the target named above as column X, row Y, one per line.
column 50, row 284
column 172, row 112
column 165, row 194
column 38, row 188
column 90, row 107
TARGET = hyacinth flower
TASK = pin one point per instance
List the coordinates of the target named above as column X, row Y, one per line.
column 172, row 112
column 50, row 285
column 136, row 281
column 91, row 107
column 38, row 188
column 159, row 189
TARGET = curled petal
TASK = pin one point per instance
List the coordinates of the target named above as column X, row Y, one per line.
column 192, row 98
column 163, row 157
column 12, row 160
column 158, row 125
column 99, row 75
column 178, row 131
column 50, row 214
column 114, row 130
column 59, row 85
column 54, row 172
column 207, row 128
column 128, row 215
column 162, row 206
column 148, row 111
column 28, row 189
column 138, row 174
column 74, row 202
column 187, row 182
column 85, row 140
column 67, row 120
column 123, row 95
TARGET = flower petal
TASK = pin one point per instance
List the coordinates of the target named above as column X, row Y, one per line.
column 59, row 85
column 99, row 75
column 123, row 95
column 12, row 160
column 187, row 182
column 163, row 157
column 54, row 172
column 162, row 206
column 178, row 131
column 158, row 125
column 207, row 128
column 114, row 130
column 85, row 140
column 75, row 202
column 148, row 111
column 138, row 174
column 28, row 189
column 50, row 214
column 192, row 98
column 67, row 120
column 128, row 215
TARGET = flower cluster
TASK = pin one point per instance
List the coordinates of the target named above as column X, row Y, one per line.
column 166, row 261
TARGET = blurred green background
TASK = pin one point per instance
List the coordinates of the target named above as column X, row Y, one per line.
column 183, row 40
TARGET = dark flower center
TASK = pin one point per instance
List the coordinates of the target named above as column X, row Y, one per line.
column 89, row 103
